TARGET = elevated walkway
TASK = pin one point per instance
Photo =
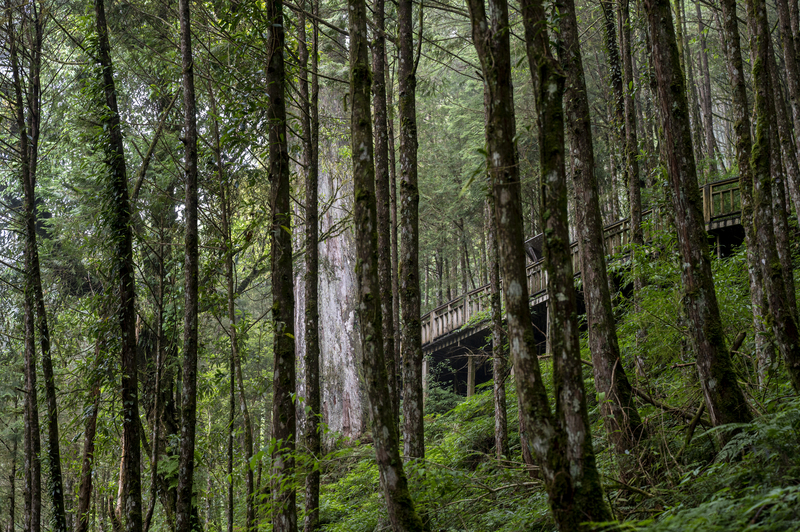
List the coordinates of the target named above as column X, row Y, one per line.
column 461, row 322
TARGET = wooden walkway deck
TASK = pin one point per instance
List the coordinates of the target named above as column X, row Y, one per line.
column 445, row 325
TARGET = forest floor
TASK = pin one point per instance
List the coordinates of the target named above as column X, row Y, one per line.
column 751, row 483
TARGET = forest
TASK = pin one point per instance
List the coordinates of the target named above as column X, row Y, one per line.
column 416, row 265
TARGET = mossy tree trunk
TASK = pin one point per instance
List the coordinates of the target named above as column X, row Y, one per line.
column 499, row 357
column 413, row 431
column 724, row 398
column 400, row 506
column 620, row 416
column 765, row 167
column 184, row 514
column 382, row 192
column 635, row 184
column 743, row 143
column 309, row 102
column 562, row 443
column 284, row 422
column 119, row 223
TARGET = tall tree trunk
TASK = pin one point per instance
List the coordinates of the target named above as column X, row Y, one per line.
column 226, row 198
column 402, row 514
column 231, row 419
column 781, row 133
column 616, row 75
column 632, row 161
column 121, row 235
column 622, row 421
column 185, row 505
column 786, row 137
column 413, row 431
column 687, row 64
column 724, row 398
column 393, row 216
column 157, row 403
column 706, row 105
column 87, row 461
column 743, row 141
column 284, row 422
column 765, row 166
column 499, row 358
column 382, row 191
column 562, row 442
column 310, row 121
column 791, row 62
column 33, row 487
column 33, row 280
column 12, row 485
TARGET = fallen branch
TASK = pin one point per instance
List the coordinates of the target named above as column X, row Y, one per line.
column 586, row 362
column 671, row 409
column 632, row 489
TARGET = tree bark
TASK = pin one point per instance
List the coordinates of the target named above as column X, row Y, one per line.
column 382, row 186
column 786, row 138
column 765, row 167
column 616, row 75
column 284, row 422
column 122, row 238
column 87, row 460
column 393, row 216
column 185, row 506
column 743, row 141
column 562, row 443
column 310, row 122
column 413, row 432
column 499, row 357
column 785, row 171
column 34, row 294
column 706, row 104
column 791, row 62
column 632, row 161
column 33, row 487
column 402, row 514
column 621, row 418
column 724, row 398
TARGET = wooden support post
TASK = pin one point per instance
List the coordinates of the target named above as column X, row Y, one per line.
column 424, row 379
column 707, row 203
column 470, row 375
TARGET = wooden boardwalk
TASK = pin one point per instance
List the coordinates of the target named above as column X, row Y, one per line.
column 445, row 325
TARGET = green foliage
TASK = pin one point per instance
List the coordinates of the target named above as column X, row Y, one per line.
column 458, row 486
column 753, row 484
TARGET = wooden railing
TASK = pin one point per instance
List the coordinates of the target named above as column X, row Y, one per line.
column 721, row 199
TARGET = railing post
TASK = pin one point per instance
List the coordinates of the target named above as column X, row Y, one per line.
column 707, row 207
